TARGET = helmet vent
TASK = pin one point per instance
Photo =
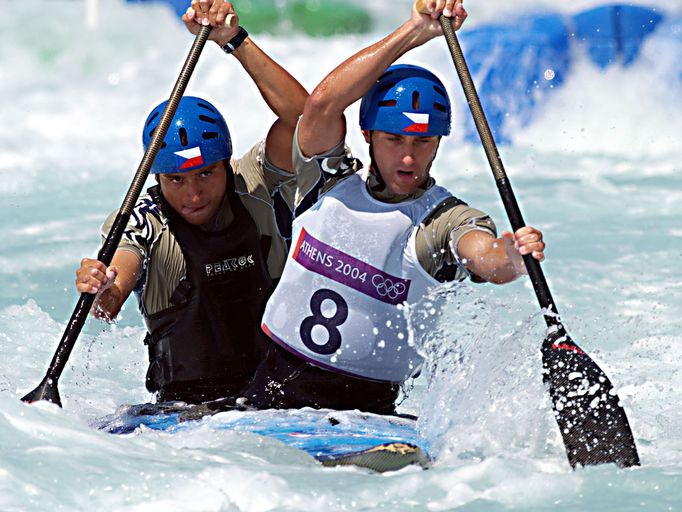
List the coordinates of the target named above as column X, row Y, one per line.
column 440, row 91
column 183, row 136
column 415, row 100
column 151, row 135
column 386, row 86
column 388, row 103
column 208, row 119
column 207, row 107
column 209, row 135
column 440, row 107
column 149, row 121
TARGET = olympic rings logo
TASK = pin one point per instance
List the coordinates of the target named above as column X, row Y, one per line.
column 387, row 288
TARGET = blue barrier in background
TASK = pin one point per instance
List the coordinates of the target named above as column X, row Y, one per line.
column 614, row 33
column 513, row 65
column 517, row 64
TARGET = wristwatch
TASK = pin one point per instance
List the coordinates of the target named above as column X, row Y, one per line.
column 236, row 41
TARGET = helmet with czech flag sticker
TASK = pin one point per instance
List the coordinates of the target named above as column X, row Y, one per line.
column 197, row 137
column 407, row 100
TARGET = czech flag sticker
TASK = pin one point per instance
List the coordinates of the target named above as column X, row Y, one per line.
column 188, row 158
column 419, row 122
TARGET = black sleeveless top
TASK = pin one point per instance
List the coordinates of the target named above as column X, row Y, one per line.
column 208, row 344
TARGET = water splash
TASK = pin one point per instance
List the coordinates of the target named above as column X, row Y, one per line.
column 484, row 395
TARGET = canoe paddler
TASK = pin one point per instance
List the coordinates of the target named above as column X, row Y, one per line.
column 206, row 244
column 374, row 240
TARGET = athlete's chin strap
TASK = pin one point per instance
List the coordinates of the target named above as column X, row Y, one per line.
column 435, row 153
column 373, row 167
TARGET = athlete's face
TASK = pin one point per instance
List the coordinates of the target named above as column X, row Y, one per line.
column 195, row 195
column 403, row 160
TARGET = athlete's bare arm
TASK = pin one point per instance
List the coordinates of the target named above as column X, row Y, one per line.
column 499, row 260
column 282, row 92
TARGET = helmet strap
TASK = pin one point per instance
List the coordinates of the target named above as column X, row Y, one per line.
column 435, row 154
column 231, row 187
column 374, row 168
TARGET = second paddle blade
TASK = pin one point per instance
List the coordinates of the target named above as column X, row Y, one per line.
column 593, row 425
column 46, row 390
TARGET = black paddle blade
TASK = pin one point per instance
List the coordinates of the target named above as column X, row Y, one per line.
column 46, row 390
column 593, row 425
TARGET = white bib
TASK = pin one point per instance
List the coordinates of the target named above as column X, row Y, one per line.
column 339, row 302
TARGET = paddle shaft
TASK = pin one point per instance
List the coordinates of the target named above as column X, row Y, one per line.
column 593, row 424
column 503, row 185
column 47, row 389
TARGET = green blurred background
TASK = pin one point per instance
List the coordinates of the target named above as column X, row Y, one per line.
column 312, row 17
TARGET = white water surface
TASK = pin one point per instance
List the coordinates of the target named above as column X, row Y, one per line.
column 598, row 170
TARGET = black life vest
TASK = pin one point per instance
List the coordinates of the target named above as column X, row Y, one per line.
column 208, row 343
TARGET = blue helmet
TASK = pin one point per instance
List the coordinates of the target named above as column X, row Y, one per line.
column 407, row 100
column 197, row 137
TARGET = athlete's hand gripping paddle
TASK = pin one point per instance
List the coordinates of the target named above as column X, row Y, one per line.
column 593, row 425
column 47, row 389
